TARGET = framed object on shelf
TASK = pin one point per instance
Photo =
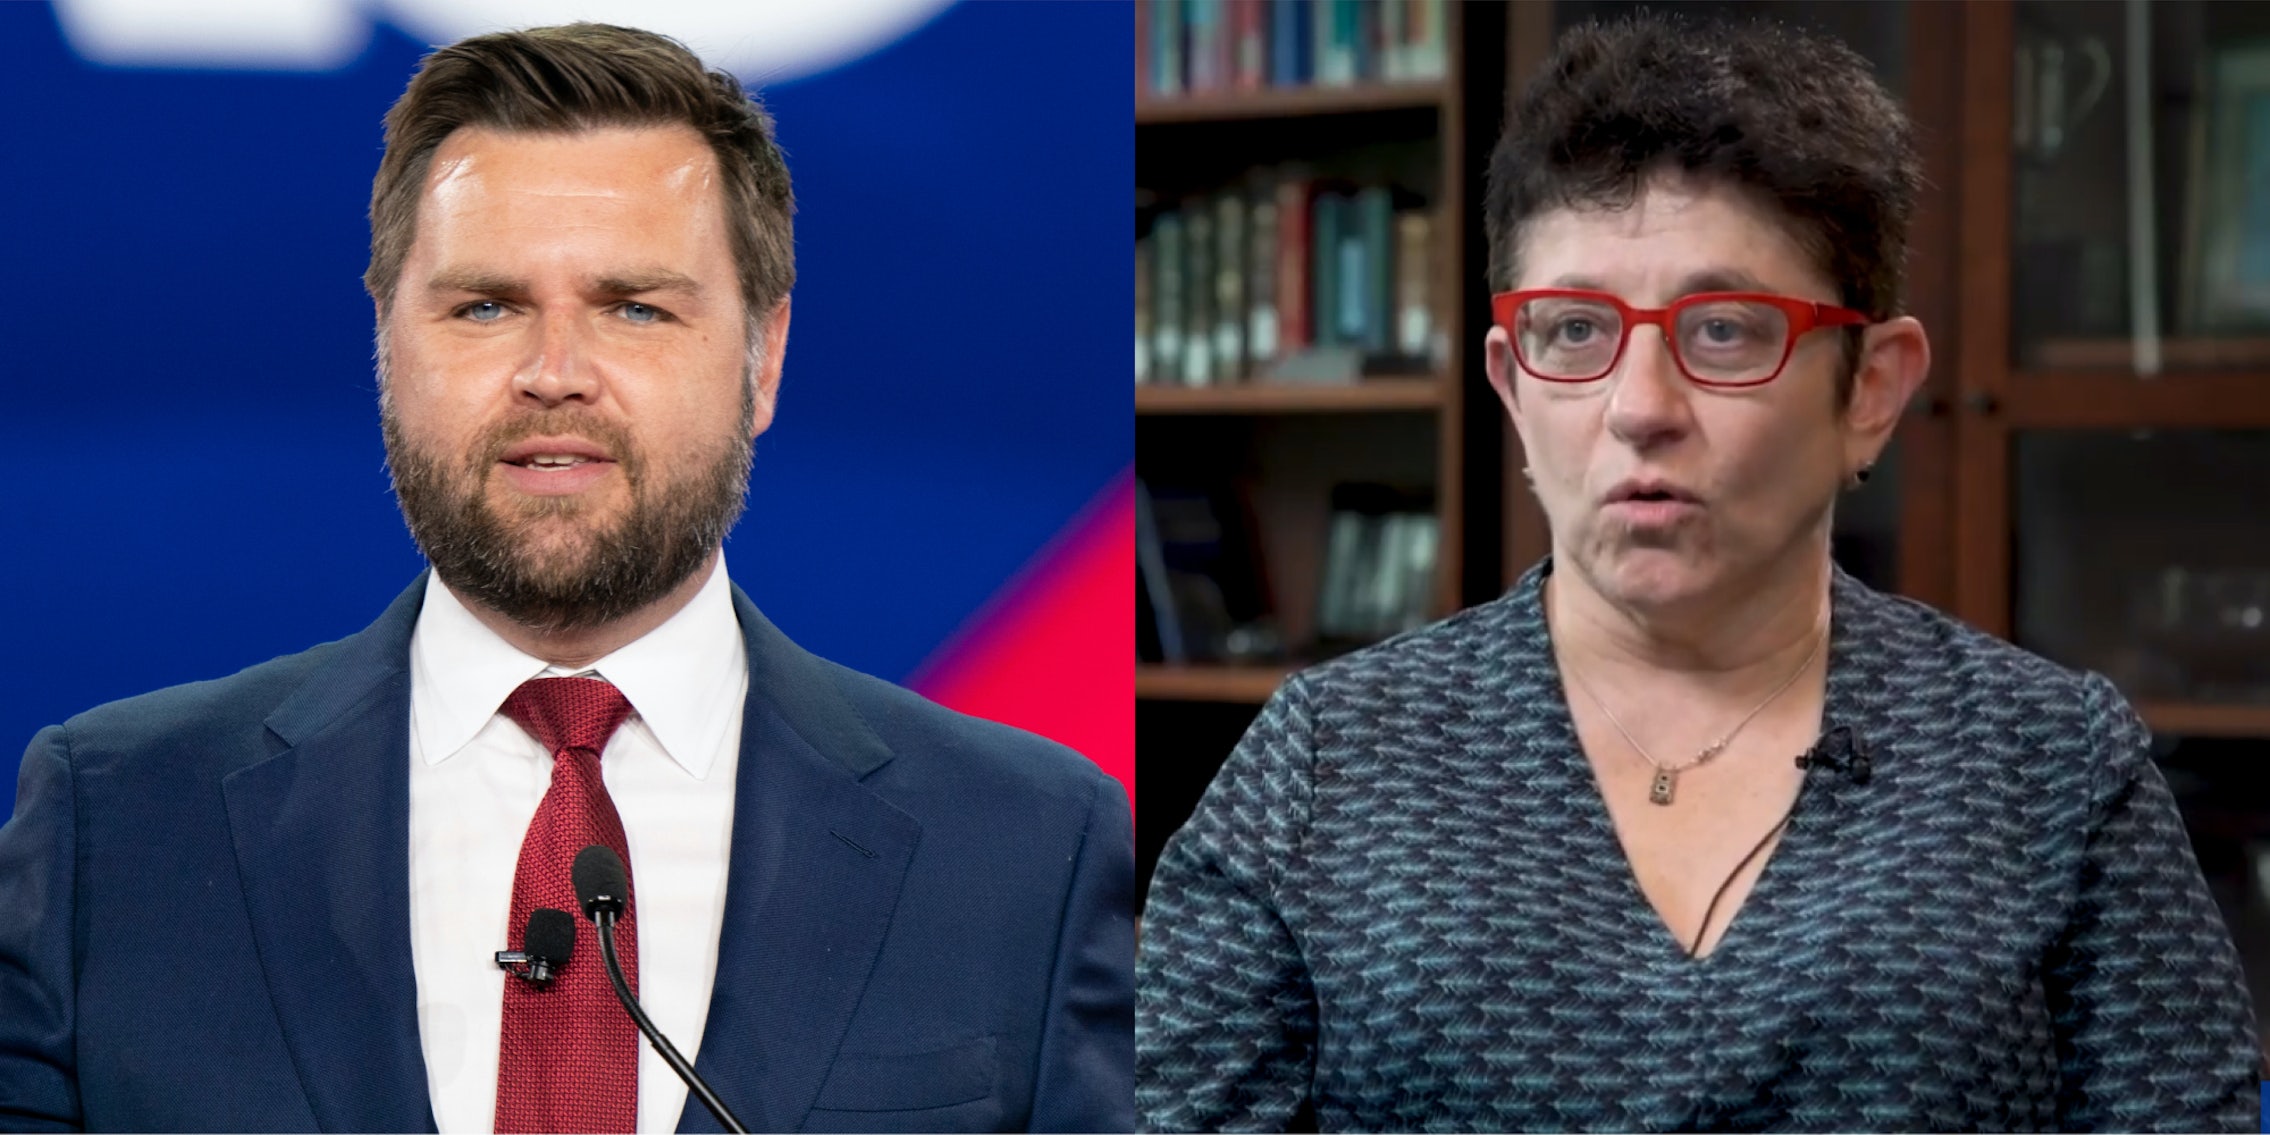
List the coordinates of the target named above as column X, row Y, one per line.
column 2227, row 280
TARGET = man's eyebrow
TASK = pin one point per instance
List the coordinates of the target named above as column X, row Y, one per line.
column 477, row 282
column 641, row 283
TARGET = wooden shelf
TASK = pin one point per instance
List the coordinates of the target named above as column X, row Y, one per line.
column 2099, row 399
column 1285, row 102
column 1244, row 685
column 1370, row 395
column 2176, row 354
column 2193, row 719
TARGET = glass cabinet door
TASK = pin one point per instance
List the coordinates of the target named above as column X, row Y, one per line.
column 2140, row 151
column 2145, row 555
column 2115, row 428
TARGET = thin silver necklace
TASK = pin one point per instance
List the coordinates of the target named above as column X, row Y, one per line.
column 1666, row 783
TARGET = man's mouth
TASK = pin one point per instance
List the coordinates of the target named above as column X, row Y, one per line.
column 558, row 465
column 556, row 452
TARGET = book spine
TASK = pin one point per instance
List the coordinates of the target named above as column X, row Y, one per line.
column 1335, row 606
column 1383, row 591
column 1205, row 28
column 1198, row 266
column 1252, row 44
column 1167, row 47
column 1430, row 50
column 1261, row 289
column 1293, row 259
column 1374, row 281
column 1324, row 270
column 1363, row 39
column 1143, row 62
column 1419, row 558
column 1230, row 313
column 1143, row 302
column 1303, row 39
column 1414, row 277
column 1284, row 55
column 1167, row 316
column 1335, row 52
column 1388, row 39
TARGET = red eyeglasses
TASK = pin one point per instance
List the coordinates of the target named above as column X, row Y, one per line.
column 1717, row 339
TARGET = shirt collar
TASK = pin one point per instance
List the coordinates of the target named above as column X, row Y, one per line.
column 683, row 678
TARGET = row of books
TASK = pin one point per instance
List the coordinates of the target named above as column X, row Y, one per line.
column 1379, row 565
column 1292, row 279
column 1201, row 594
column 1211, row 45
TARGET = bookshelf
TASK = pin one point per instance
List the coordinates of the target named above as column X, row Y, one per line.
column 1418, row 418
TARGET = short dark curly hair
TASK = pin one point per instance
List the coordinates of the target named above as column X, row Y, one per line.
column 1795, row 117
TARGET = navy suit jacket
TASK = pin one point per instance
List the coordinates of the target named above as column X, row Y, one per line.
column 204, row 911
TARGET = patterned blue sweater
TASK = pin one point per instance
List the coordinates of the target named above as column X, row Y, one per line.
column 1402, row 906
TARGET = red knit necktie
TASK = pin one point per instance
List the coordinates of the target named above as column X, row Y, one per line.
column 568, row 1059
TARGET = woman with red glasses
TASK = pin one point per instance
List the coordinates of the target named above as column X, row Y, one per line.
column 1690, row 830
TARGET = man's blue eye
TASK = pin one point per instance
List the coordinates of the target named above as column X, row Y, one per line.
column 640, row 313
column 486, row 311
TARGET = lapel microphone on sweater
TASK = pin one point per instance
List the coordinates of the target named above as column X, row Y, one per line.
column 1841, row 751
column 601, row 884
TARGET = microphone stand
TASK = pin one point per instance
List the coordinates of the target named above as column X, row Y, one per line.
column 605, row 921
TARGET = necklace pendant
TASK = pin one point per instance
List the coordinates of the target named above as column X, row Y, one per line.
column 1660, row 791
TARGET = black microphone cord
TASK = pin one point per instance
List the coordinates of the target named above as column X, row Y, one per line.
column 603, row 887
column 605, row 921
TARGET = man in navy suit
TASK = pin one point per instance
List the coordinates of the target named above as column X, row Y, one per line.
column 274, row 901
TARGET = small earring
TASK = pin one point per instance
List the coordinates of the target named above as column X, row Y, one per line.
column 1858, row 477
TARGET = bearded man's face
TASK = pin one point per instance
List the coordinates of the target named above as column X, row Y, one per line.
column 569, row 388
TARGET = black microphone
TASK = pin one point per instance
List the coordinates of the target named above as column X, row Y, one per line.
column 602, row 884
column 1844, row 751
column 545, row 947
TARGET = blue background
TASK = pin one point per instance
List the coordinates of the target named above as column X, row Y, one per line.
column 188, row 438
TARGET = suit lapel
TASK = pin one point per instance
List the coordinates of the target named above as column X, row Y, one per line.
column 322, row 848
column 817, row 864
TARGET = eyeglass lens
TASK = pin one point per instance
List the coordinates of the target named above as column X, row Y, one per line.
column 1731, row 341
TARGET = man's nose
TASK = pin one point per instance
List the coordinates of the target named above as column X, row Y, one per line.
column 558, row 367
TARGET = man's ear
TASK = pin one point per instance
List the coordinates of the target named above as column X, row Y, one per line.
column 772, row 332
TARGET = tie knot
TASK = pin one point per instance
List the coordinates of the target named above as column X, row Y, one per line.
column 568, row 713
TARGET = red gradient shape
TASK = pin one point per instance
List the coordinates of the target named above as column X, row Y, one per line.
column 1054, row 651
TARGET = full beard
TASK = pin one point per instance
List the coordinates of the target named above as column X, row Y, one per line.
column 518, row 562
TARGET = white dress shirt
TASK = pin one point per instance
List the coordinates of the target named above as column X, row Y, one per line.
column 475, row 780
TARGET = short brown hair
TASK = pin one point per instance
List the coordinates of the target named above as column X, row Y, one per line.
column 1795, row 117
column 582, row 77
